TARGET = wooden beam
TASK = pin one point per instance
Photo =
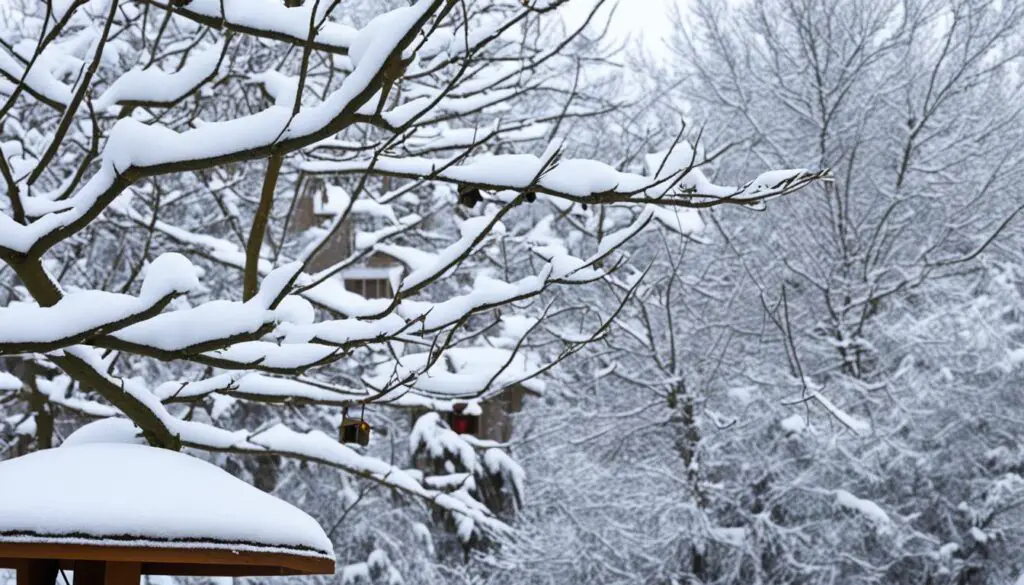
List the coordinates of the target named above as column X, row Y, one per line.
column 170, row 560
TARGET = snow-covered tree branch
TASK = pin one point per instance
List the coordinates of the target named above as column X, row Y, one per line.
column 156, row 161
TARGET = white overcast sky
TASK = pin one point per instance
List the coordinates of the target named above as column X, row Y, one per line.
column 640, row 19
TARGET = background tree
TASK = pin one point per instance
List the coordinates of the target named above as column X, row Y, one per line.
column 825, row 393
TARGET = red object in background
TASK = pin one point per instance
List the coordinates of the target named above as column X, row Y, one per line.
column 461, row 423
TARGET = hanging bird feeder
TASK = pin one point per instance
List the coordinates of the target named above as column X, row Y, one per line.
column 355, row 430
column 461, row 422
column 469, row 196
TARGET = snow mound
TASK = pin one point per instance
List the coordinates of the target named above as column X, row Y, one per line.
column 135, row 495
column 105, row 430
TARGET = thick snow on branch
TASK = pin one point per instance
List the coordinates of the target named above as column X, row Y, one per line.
column 273, row 19
column 854, row 424
column 261, row 387
column 40, row 80
column 437, row 440
column 499, row 463
column 161, row 138
column 213, row 321
column 56, row 392
column 129, row 144
column 158, row 87
column 867, row 508
column 9, row 382
column 461, row 371
column 25, row 327
column 572, row 178
column 486, row 292
column 433, row 439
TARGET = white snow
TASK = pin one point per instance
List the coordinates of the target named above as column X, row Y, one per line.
column 136, row 495
column 681, row 220
column 312, row 446
column 211, row 321
column 129, row 141
column 272, row 355
column 948, row 550
column 517, row 326
column 472, row 229
column 869, row 509
column 336, row 200
column 854, row 424
column 572, row 177
column 355, row 573
column 41, row 78
column 87, row 311
column 461, row 371
column 389, row 273
column 56, row 392
column 281, row 88
column 23, row 425
column 498, row 462
column 273, row 16
column 794, row 423
column 437, row 440
column 978, row 534
column 731, row 535
column 156, row 86
column 9, row 382
column 107, row 430
column 486, row 291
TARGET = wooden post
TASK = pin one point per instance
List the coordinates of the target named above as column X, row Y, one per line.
column 122, row 574
column 107, row 573
column 37, row 572
column 90, row 572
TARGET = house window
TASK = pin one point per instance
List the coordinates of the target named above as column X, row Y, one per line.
column 370, row 288
column 371, row 282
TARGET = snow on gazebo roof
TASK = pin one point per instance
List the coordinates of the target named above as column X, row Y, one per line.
column 139, row 496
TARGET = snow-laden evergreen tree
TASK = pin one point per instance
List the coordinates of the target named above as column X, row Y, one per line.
column 162, row 281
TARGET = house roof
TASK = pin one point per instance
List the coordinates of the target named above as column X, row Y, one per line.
column 333, row 200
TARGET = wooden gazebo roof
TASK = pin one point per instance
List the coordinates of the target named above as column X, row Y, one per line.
column 114, row 512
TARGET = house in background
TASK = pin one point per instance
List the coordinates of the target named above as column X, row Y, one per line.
column 492, row 421
column 377, row 276
column 459, row 373
column 495, row 422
